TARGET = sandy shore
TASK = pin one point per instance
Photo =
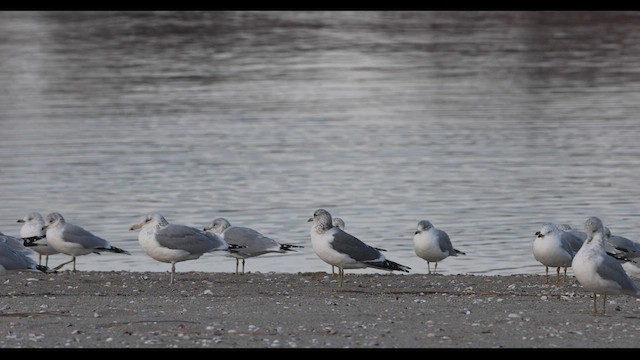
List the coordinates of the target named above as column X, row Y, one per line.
column 306, row 310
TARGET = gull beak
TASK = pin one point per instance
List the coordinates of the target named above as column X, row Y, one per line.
column 207, row 228
column 310, row 219
column 417, row 232
column 20, row 221
column 135, row 227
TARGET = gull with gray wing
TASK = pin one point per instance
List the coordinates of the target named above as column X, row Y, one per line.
column 553, row 247
column 14, row 256
column 74, row 240
column 35, row 237
column 252, row 242
column 433, row 244
column 598, row 272
column 172, row 243
column 343, row 250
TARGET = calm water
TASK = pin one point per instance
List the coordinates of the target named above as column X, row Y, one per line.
column 487, row 124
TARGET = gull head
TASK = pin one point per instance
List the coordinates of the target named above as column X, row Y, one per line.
column 153, row 219
column 424, row 225
column 322, row 219
column 546, row 229
column 52, row 219
column 339, row 223
column 32, row 217
column 592, row 226
column 218, row 226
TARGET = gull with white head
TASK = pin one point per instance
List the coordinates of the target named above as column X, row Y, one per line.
column 74, row 240
column 553, row 247
column 251, row 241
column 35, row 237
column 172, row 243
column 433, row 244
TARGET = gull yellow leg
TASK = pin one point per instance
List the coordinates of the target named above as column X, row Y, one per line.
column 65, row 263
column 173, row 272
column 546, row 272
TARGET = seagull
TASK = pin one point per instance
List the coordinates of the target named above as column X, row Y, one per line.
column 576, row 233
column 35, row 237
column 74, row 240
column 338, row 248
column 339, row 223
column 625, row 249
column 598, row 272
column 553, row 247
column 432, row 244
column 172, row 243
column 254, row 243
column 14, row 256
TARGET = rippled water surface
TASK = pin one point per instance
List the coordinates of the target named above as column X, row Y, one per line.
column 485, row 123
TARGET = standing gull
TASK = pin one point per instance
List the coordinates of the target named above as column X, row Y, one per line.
column 433, row 244
column 74, row 240
column 340, row 249
column 553, row 247
column 339, row 223
column 14, row 256
column 598, row 272
column 253, row 242
column 172, row 243
column 622, row 247
column 34, row 235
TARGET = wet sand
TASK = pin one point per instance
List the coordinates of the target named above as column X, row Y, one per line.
column 307, row 310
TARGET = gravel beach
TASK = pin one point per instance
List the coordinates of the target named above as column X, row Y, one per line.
column 307, row 310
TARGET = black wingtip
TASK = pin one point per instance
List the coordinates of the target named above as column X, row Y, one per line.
column 114, row 249
column 234, row 246
column 389, row 265
column 28, row 241
column 289, row 247
column 619, row 257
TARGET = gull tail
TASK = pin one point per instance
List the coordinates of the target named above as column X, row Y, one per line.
column 619, row 257
column 288, row 247
column 28, row 241
column 388, row 265
column 114, row 249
